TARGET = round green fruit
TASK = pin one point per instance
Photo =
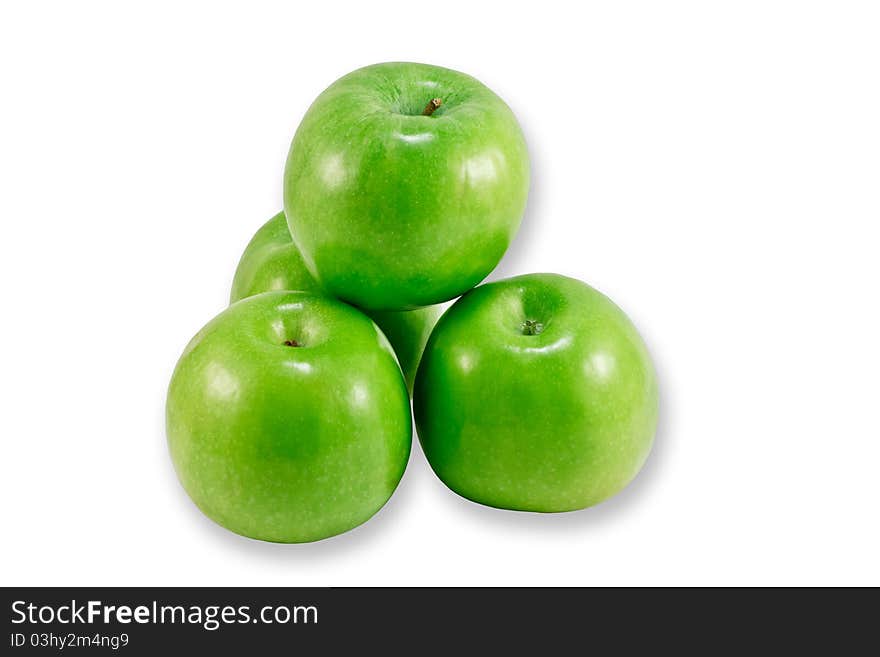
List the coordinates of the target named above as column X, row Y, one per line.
column 404, row 185
column 287, row 418
column 408, row 332
column 272, row 261
column 536, row 393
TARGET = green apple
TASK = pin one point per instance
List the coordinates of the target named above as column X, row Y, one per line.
column 404, row 185
column 408, row 332
column 288, row 419
column 536, row 393
column 272, row 261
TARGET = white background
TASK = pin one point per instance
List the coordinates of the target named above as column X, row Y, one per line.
column 713, row 167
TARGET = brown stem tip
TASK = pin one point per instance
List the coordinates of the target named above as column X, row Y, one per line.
column 432, row 106
column 531, row 327
column 291, row 343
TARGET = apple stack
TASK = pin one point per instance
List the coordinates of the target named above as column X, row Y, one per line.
column 289, row 415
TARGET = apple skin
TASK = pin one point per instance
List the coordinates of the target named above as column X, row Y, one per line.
column 271, row 261
column 393, row 210
column 555, row 421
column 289, row 443
column 408, row 332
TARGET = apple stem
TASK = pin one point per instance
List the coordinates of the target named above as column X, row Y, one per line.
column 432, row 106
column 532, row 327
column 291, row 343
